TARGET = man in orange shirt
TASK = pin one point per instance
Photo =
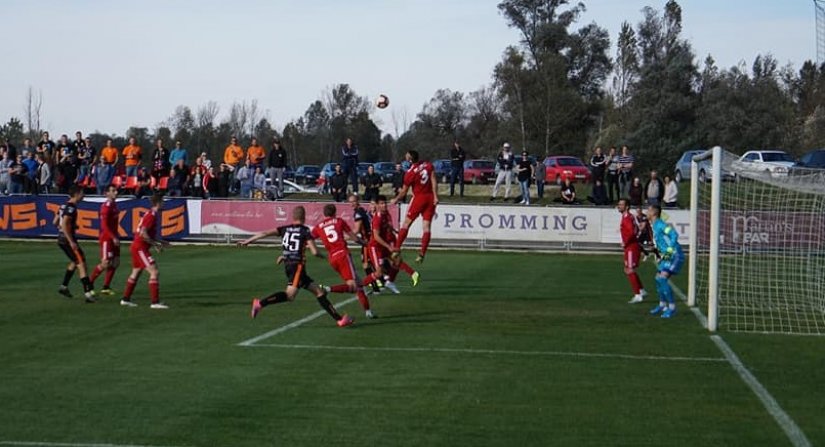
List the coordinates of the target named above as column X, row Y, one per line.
column 109, row 157
column 233, row 156
column 132, row 155
column 256, row 155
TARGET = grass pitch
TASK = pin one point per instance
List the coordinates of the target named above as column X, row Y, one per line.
column 490, row 349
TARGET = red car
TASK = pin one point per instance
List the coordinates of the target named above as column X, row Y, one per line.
column 479, row 171
column 562, row 167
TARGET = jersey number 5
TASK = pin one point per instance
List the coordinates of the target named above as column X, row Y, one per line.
column 332, row 235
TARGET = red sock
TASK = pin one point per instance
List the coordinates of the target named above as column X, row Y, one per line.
column 635, row 282
column 362, row 298
column 95, row 273
column 107, row 281
column 425, row 242
column 154, row 290
column 340, row 288
column 406, row 268
column 130, row 287
column 393, row 273
column 402, row 236
column 369, row 279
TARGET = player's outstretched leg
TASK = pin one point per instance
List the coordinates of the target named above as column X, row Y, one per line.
column 275, row 298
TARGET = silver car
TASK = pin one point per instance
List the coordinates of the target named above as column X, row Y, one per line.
column 682, row 169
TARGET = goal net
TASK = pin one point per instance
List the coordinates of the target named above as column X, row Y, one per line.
column 757, row 255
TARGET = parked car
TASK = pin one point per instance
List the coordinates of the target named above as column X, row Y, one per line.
column 562, row 167
column 385, row 169
column 442, row 170
column 291, row 187
column 682, row 169
column 307, row 174
column 479, row 172
column 773, row 163
column 812, row 161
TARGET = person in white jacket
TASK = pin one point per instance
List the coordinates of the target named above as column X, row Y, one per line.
column 671, row 193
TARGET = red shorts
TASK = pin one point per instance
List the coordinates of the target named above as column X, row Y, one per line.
column 631, row 256
column 421, row 206
column 341, row 262
column 108, row 249
column 141, row 258
column 377, row 254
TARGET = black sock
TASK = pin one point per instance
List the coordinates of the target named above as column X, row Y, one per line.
column 87, row 285
column 275, row 298
column 67, row 277
column 327, row 306
column 369, row 271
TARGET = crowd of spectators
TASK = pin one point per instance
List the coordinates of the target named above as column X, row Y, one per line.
column 613, row 178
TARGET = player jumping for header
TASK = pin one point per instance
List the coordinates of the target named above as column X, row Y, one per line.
column 295, row 238
column 671, row 257
column 421, row 177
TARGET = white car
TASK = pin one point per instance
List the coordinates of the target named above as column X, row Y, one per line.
column 291, row 187
column 770, row 163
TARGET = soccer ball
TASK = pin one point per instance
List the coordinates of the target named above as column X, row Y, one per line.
column 383, row 102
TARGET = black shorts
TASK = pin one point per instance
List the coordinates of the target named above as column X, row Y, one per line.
column 296, row 274
column 78, row 257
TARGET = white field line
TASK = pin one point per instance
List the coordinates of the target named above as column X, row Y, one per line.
column 792, row 431
column 698, row 313
column 293, row 325
column 494, row 352
column 68, row 444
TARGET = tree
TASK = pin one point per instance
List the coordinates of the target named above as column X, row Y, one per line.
column 627, row 64
column 13, row 130
column 34, row 105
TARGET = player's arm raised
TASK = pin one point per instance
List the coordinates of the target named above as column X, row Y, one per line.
column 261, row 235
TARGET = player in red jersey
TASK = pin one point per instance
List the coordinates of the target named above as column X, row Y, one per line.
column 361, row 226
column 421, row 177
column 632, row 250
column 382, row 251
column 333, row 233
column 109, row 241
column 146, row 237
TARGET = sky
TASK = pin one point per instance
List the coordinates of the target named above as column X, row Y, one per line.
column 107, row 65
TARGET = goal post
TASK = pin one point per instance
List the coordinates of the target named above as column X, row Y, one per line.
column 757, row 245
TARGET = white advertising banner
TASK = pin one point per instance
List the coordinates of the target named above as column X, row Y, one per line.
column 513, row 223
column 535, row 224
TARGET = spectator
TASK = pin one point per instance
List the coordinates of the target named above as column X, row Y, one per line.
column 372, row 184
column 132, row 154
column 78, row 142
column 27, row 147
column 106, row 168
column 210, row 184
column 18, row 173
column 47, row 147
column 398, row 181
column 277, row 162
column 6, row 164
column 224, row 180
column 66, row 164
column 178, row 153
column 233, row 156
column 525, row 173
column 612, row 174
column 206, row 161
column 246, row 175
column 30, row 182
column 259, row 180
column 44, row 174
column 654, row 189
column 338, row 184
column 598, row 165
column 198, row 178
column 179, row 176
column 349, row 164
column 671, row 195
column 144, row 183
column 8, row 148
column 599, row 194
column 85, row 156
column 457, row 157
column 626, row 161
column 161, row 161
column 256, row 154
column 567, row 195
column 636, row 192
column 540, row 174
column 504, row 166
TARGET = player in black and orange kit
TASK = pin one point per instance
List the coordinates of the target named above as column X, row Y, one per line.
column 421, row 177
column 295, row 238
column 109, row 241
column 362, row 227
column 66, row 221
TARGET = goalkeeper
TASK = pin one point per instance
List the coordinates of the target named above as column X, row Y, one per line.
column 670, row 259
